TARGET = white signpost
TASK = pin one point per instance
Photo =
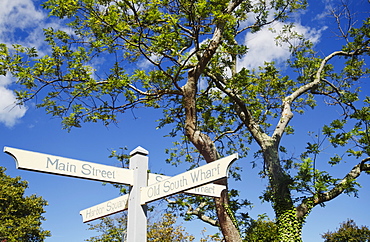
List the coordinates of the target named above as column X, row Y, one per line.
column 120, row 204
column 209, row 190
column 110, row 207
column 187, row 180
column 34, row 161
column 192, row 182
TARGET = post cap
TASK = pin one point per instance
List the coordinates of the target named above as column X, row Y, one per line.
column 139, row 150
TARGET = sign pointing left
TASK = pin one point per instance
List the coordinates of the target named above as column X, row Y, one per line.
column 34, row 161
column 115, row 205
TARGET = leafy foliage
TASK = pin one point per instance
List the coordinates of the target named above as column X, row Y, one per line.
column 166, row 231
column 261, row 229
column 20, row 215
column 110, row 229
column 114, row 229
column 183, row 57
column 348, row 232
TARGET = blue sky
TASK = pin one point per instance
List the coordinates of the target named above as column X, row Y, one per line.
column 28, row 128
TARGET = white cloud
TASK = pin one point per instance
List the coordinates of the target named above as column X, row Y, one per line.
column 10, row 113
column 20, row 23
column 19, row 19
column 262, row 45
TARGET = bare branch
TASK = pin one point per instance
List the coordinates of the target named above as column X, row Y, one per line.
column 198, row 212
column 345, row 13
column 258, row 24
column 242, row 111
column 229, row 132
column 155, row 94
column 287, row 114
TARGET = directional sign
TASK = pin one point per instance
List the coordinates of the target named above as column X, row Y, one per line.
column 210, row 190
column 28, row 160
column 121, row 203
column 116, row 205
column 187, row 180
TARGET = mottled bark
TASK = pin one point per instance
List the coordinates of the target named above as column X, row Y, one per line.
column 207, row 149
column 201, row 141
column 305, row 207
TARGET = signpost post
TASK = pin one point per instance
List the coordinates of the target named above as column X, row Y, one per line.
column 193, row 182
column 137, row 224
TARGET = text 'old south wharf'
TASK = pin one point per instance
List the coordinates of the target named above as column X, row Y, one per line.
column 181, row 182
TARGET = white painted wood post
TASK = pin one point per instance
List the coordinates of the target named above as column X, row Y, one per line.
column 137, row 213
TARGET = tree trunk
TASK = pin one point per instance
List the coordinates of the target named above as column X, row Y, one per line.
column 229, row 231
column 289, row 224
column 288, row 221
column 207, row 149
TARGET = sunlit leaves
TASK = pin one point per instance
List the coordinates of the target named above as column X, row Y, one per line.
column 261, row 229
column 310, row 180
column 340, row 133
column 20, row 215
column 348, row 231
column 335, row 160
column 163, row 230
column 66, row 8
column 115, row 56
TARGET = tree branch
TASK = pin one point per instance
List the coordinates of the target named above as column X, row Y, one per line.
column 341, row 186
column 287, row 114
column 320, row 198
column 155, row 94
column 242, row 111
column 198, row 212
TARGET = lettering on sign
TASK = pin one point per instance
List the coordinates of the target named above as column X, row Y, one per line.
column 120, row 204
column 28, row 160
column 205, row 189
column 210, row 190
column 85, row 169
column 190, row 179
column 110, row 207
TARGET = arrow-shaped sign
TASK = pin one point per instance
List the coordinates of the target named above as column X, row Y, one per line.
column 115, row 205
column 120, row 204
column 34, row 161
column 194, row 178
column 209, row 190
column 191, row 182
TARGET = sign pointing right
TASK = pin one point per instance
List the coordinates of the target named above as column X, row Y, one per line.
column 202, row 175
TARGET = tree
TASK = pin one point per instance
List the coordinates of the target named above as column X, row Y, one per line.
column 165, row 230
column 348, row 232
column 111, row 229
column 261, row 229
column 183, row 57
column 20, row 215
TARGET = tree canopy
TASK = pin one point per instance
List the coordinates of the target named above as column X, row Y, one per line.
column 186, row 57
column 113, row 228
column 20, row 215
column 348, row 232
